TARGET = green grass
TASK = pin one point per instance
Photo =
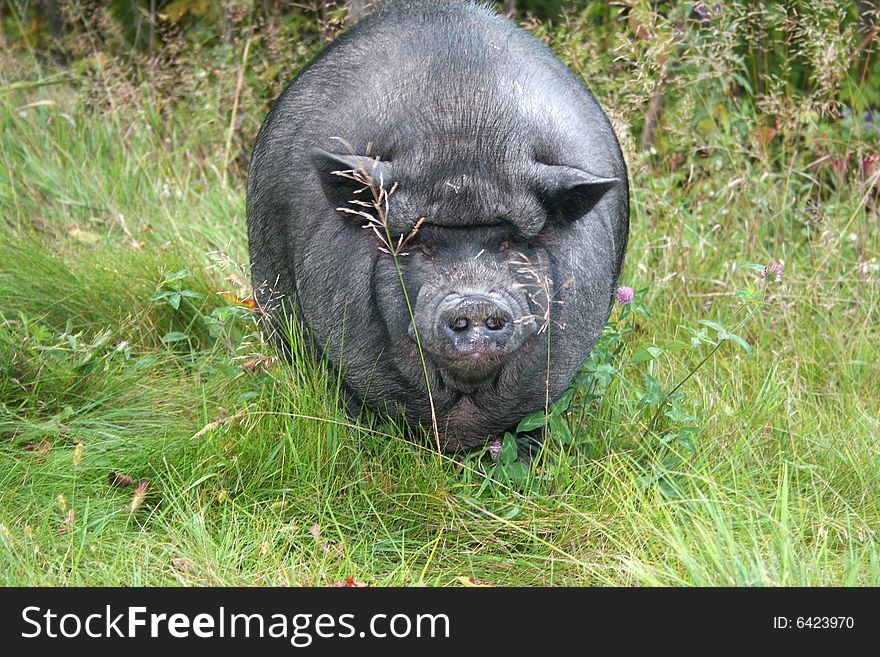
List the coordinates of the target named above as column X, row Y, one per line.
column 283, row 488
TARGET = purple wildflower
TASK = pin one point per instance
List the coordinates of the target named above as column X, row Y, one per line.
column 495, row 447
column 773, row 269
column 624, row 295
column 870, row 121
column 707, row 12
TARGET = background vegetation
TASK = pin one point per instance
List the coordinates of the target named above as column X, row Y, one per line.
column 724, row 432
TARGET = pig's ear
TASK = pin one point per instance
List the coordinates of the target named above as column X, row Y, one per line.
column 342, row 175
column 571, row 193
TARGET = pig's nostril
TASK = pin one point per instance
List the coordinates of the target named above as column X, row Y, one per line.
column 494, row 323
column 459, row 324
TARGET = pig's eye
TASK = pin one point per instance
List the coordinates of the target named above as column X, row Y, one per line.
column 504, row 246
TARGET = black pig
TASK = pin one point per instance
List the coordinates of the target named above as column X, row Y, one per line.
column 502, row 212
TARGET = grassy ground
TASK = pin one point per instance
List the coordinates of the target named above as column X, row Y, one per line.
column 257, row 477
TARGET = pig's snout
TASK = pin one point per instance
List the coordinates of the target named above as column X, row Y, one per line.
column 470, row 332
column 475, row 323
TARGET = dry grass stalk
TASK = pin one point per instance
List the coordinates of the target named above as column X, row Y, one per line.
column 375, row 211
column 377, row 221
column 219, row 422
column 538, row 286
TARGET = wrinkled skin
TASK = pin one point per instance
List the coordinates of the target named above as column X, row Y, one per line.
column 523, row 189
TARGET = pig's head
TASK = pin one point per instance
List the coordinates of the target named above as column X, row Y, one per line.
column 475, row 284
